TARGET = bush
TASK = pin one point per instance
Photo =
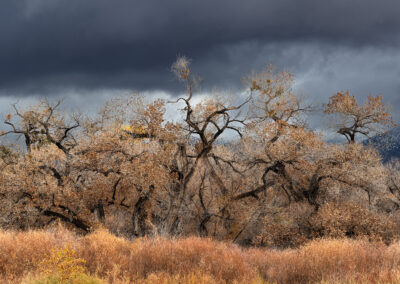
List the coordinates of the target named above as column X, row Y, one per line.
column 335, row 220
column 64, row 264
column 297, row 225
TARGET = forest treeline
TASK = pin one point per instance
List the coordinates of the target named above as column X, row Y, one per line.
column 276, row 183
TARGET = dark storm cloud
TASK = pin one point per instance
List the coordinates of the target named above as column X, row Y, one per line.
column 49, row 45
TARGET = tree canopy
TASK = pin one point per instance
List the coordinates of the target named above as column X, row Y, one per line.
column 134, row 172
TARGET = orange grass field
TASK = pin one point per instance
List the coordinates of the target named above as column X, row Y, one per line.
column 100, row 257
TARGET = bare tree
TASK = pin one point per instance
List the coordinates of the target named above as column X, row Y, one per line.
column 371, row 118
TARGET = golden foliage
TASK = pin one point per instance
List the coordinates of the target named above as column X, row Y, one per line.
column 63, row 263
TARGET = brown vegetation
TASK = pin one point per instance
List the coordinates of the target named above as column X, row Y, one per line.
column 371, row 118
column 200, row 260
column 277, row 183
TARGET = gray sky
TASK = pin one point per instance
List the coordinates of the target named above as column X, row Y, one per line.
column 89, row 50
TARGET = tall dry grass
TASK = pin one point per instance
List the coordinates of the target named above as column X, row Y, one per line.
column 197, row 260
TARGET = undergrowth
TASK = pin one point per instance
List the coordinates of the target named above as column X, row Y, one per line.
column 59, row 256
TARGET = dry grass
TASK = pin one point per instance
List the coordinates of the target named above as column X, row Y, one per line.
column 196, row 260
column 330, row 261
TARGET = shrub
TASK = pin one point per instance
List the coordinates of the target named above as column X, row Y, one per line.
column 296, row 225
column 335, row 220
column 64, row 264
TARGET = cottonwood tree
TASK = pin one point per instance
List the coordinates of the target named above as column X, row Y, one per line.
column 107, row 169
column 202, row 124
column 297, row 166
column 368, row 119
column 134, row 160
column 41, row 125
column 323, row 174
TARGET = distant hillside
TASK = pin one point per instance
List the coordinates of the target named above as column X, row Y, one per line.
column 388, row 144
